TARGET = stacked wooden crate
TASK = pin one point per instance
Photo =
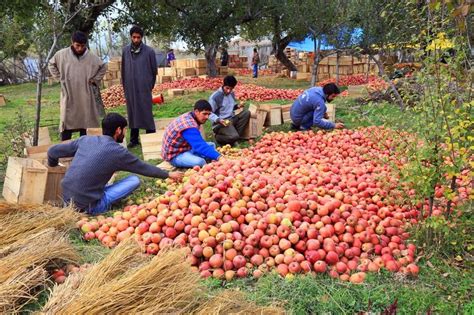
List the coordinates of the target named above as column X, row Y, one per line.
column 182, row 69
column 113, row 76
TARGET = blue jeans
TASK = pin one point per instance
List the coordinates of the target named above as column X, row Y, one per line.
column 255, row 71
column 189, row 159
column 307, row 121
column 115, row 192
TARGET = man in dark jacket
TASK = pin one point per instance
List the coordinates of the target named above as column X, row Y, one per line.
column 96, row 159
column 138, row 78
column 224, row 57
column 227, row 127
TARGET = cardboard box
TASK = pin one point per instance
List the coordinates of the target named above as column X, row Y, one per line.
column 25, row 181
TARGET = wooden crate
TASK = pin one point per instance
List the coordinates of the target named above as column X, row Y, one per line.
column 164, row 78
column 25, row 181
column 113, row 66
column 166, row 71
column 3, row 102
column 331, row 111
column 40, row 154
column 285, row 113
column 254, row 127
column 43, row 138
column 186, row 72
column 181, row 63
column 53, row 191
column 201, row 71
column 303, row 76
column 175, row 92
column 94, row 131
column 200, row 63
column 274, row 114
column 151, row 145
column 223, row 70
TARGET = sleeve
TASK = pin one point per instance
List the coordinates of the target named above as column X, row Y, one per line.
column 213, row 116
column 194, row 138
column 133, row 164
column 61, row 150
column 122, row 68
column 318, row 119
column 154, row 68
column 100, row 73
column 53, row 67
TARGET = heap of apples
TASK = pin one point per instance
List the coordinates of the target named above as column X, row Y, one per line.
column 295, row 203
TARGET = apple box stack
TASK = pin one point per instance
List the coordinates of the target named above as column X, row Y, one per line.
column 113, row 75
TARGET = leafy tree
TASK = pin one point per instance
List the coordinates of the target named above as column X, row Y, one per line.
column 203, row 25
column 275, row 20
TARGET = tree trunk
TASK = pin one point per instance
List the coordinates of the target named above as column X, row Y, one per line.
column 279, row 46
column 210, row 53
column 337, row 68
column 317, row 59
column 368, row 68
column 398, row 98
column 39, row 88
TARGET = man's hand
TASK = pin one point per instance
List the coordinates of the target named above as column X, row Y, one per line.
column 339, row 126
column 224, row 122
column 240, row 105
column 176, row 176
column 326, row 116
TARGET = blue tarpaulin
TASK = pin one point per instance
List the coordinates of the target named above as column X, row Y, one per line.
column 308, row 43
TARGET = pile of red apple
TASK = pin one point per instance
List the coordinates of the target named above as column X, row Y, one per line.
column 114, row 96
column 242, row 91
column 353, row 79
column 295, row 203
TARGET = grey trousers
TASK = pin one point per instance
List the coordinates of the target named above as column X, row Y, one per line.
column 233, row 132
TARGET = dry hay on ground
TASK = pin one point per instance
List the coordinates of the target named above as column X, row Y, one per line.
column 23, row 266
column 17, row 221
column 234, row 302
column 128, row 282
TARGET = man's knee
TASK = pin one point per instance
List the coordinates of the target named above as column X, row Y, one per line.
column 245, row 114
column 133, row 181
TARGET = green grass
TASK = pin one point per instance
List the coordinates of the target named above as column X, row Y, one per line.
column 443, row 287
column 433, row 291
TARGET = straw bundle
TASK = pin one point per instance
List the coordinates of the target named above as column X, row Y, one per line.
column 129, row 283
column 17, row 221
column 17, row 290
column 40, row 249
column 233, row 302
column 6, row 208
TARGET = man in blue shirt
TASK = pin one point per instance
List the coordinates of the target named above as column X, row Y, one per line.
column 227, row 127
column 183, row 145
column 309, row 109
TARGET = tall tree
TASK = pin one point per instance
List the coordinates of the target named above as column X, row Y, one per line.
column 276, row 20
column 330, row 14
column 202, row 25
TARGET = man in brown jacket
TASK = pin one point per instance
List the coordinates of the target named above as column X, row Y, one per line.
column 78, row 70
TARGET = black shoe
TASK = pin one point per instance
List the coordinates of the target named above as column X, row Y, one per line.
column 294, row 127
column 131, row 145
